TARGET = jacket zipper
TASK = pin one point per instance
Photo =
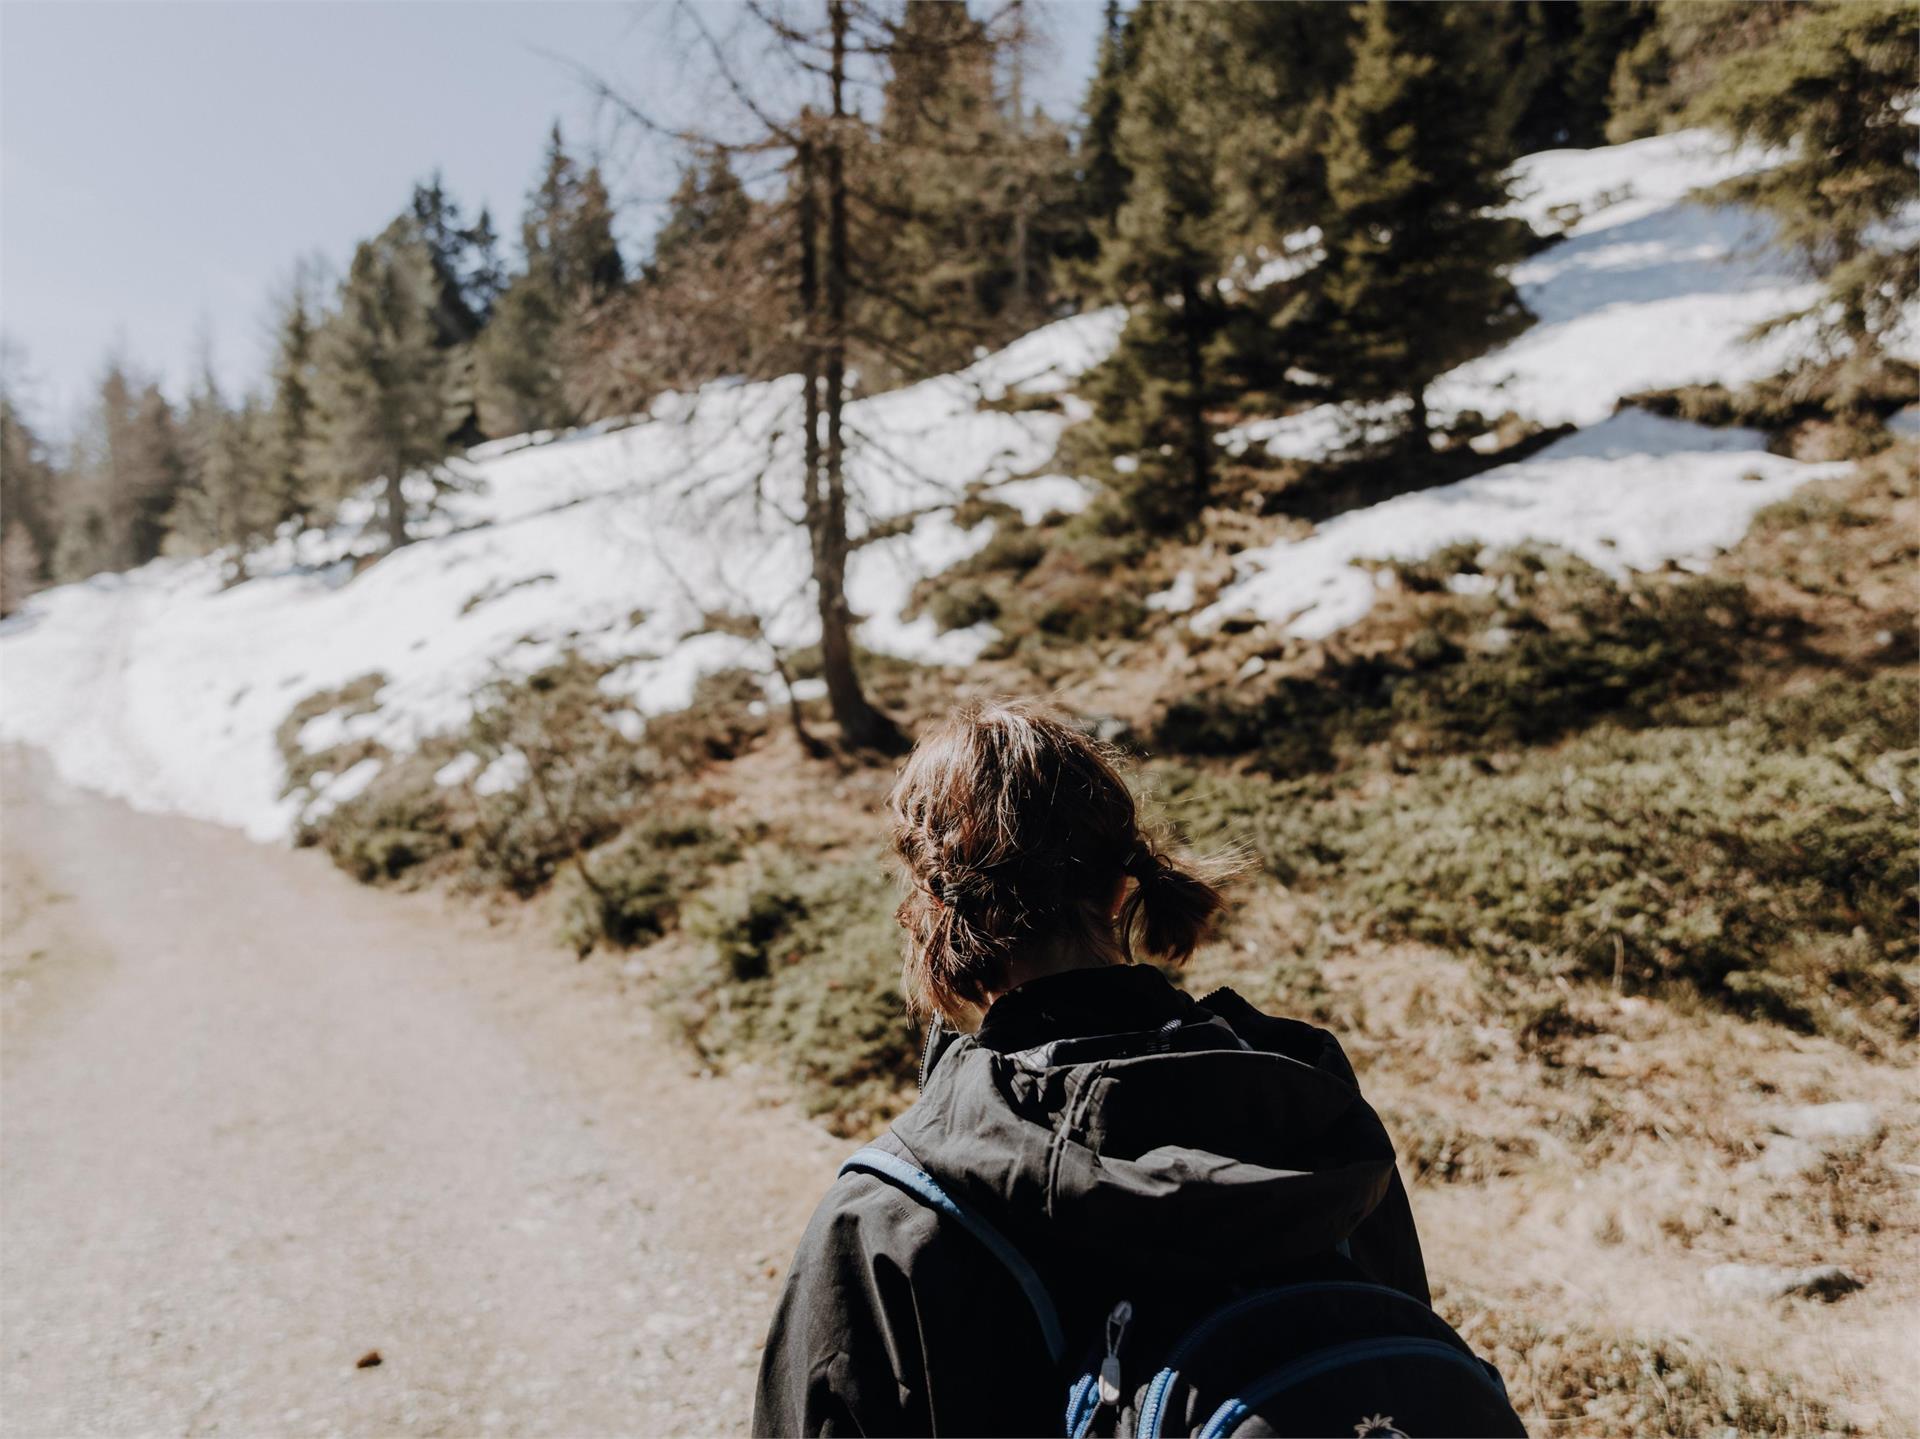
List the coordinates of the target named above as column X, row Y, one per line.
column 926, row 1051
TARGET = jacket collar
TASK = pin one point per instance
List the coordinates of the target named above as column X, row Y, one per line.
column 1109, row 999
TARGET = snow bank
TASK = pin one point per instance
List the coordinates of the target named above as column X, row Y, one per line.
column 1632, row 493
column 163, row 688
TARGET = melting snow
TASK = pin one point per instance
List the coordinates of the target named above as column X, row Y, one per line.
column 164, row 688
column 1631, row 493
column 623, row 538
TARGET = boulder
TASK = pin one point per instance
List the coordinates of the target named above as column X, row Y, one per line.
column 1747, row 1282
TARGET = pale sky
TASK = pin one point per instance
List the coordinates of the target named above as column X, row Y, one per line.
column 164, row 163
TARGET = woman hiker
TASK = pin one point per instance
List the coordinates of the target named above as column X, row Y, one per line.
column 1096, row 1160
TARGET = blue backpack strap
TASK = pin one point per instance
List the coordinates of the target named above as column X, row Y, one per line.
column 923, row 1187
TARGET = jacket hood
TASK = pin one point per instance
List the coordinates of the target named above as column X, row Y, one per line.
column 1115, row 1113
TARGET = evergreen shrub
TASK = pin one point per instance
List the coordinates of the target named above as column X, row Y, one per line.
column 642, row 882
column 1554, row 648
column 1760, row 859
column 390, row 830
column 801, row 968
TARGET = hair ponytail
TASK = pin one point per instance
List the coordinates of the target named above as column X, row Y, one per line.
column 1172, row 902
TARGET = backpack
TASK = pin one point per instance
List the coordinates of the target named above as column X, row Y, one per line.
column 1325, row 1356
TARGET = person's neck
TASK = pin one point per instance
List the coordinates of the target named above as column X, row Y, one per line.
column 1026, row 966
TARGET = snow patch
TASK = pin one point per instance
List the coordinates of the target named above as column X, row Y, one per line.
column 1177, row 598
column 1632, row 493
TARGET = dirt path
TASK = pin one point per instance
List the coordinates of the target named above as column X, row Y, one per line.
column 258, row 1121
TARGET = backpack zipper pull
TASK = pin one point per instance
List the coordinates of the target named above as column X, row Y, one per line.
column 1117, row 1322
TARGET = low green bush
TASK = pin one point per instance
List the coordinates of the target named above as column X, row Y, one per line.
column 387, row 832
column 633, row 891
column 1765, row 864
column 801, row 967
column 1554, row 648
column 726, row 715
column 581, row 777
column 356, row 697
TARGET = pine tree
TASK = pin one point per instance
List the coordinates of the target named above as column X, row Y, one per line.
column 707, row 215
column 1413, row 282
column 1831, row 92
column 1164, row 253
column 126, row 473
column 228, row 502
column 288, row 434
column 380, row 377
column 521, row 362
column 567, row 231
column 1103, row 174
column 27, row 480
column 528, row 366
column 1677, row 53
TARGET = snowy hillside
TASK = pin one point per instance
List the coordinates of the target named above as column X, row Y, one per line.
column 165, row 688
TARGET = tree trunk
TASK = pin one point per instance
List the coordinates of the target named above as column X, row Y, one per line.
column 1019, row 297
column 1199, row 442
column 1420, row 427
column 861, row 725
column 808, row 220
column 396, row 507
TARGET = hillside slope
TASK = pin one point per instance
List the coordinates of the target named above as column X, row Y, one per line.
column 642, row 546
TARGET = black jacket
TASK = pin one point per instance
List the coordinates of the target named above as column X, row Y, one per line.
column 1132, row 1142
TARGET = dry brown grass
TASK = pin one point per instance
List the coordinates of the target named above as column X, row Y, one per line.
column 1588, row 1256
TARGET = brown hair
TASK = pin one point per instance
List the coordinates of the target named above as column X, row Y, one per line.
column 1014, row 828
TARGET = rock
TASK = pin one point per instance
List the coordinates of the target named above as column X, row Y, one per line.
column 1830, row 1121
column 1738, row 1282
column 1788, row 1158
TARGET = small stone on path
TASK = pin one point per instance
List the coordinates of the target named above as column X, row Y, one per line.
column 1736, row 1282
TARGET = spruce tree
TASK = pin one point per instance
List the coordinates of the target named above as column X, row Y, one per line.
column 940, row 139
column 381, row 378
column 567, row 231
column 528, row 364
column 466, row 262
column 520, row 362
column 1608, row 30
column 1831, row 92
column 707, row 215
column 1413, row 282
column 27, row 482
column 228, row 502
column 1164, row 254
column 1677, row 53
column 1103, row 175
column 126, row 473
column 288, row 434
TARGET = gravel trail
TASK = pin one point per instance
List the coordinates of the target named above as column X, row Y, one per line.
column 257, row 1122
